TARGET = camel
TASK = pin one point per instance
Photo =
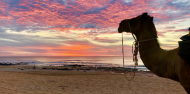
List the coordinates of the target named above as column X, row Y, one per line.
column 163, row 63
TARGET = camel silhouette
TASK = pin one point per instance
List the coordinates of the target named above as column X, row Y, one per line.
column 164, row 63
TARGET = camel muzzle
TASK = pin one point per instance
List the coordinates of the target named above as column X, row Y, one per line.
column 124, row 26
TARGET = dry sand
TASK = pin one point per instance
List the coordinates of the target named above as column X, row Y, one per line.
column 30, row 81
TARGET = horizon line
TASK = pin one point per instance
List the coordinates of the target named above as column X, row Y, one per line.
column 57, row 56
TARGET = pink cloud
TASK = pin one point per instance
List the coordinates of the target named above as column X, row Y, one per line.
column 101, row 14
column 54, row 14
column 3, row 6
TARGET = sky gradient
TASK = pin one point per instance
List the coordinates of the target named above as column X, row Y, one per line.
column 84, row 27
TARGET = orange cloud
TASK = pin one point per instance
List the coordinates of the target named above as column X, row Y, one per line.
column 79, row 17
column 78, row 47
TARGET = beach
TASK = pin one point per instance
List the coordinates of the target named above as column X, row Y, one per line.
column 22, row 80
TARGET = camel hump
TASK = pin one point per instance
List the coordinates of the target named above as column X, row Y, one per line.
column 184, row 48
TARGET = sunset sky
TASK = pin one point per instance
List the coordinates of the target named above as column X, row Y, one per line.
column 84, row 27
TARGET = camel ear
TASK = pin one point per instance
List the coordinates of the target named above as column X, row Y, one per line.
column 152, row 18
column 144, row 16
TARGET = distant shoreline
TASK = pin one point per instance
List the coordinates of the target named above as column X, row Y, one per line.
column 71, row 67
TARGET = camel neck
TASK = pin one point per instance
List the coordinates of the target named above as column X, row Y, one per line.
column 149, row 48
column 159, row 61
column 149, row 53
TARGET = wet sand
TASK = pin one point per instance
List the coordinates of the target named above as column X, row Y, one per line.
column 30, row 81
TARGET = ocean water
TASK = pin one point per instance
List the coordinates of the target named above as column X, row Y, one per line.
column 106, row 61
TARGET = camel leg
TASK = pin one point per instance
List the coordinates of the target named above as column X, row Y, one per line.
column 185, row 75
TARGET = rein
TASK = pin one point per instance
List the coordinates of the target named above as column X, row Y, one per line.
column 134, row 52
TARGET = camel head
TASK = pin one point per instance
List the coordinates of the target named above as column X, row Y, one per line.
column 141, row 25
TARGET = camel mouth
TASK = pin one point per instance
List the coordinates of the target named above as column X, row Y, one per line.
column 120, row 30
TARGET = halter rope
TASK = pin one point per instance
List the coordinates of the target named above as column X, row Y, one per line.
column 135, row 52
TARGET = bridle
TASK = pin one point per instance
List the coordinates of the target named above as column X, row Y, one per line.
column 134, row 52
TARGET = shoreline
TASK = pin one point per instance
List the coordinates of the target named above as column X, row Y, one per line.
column 116, row 70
